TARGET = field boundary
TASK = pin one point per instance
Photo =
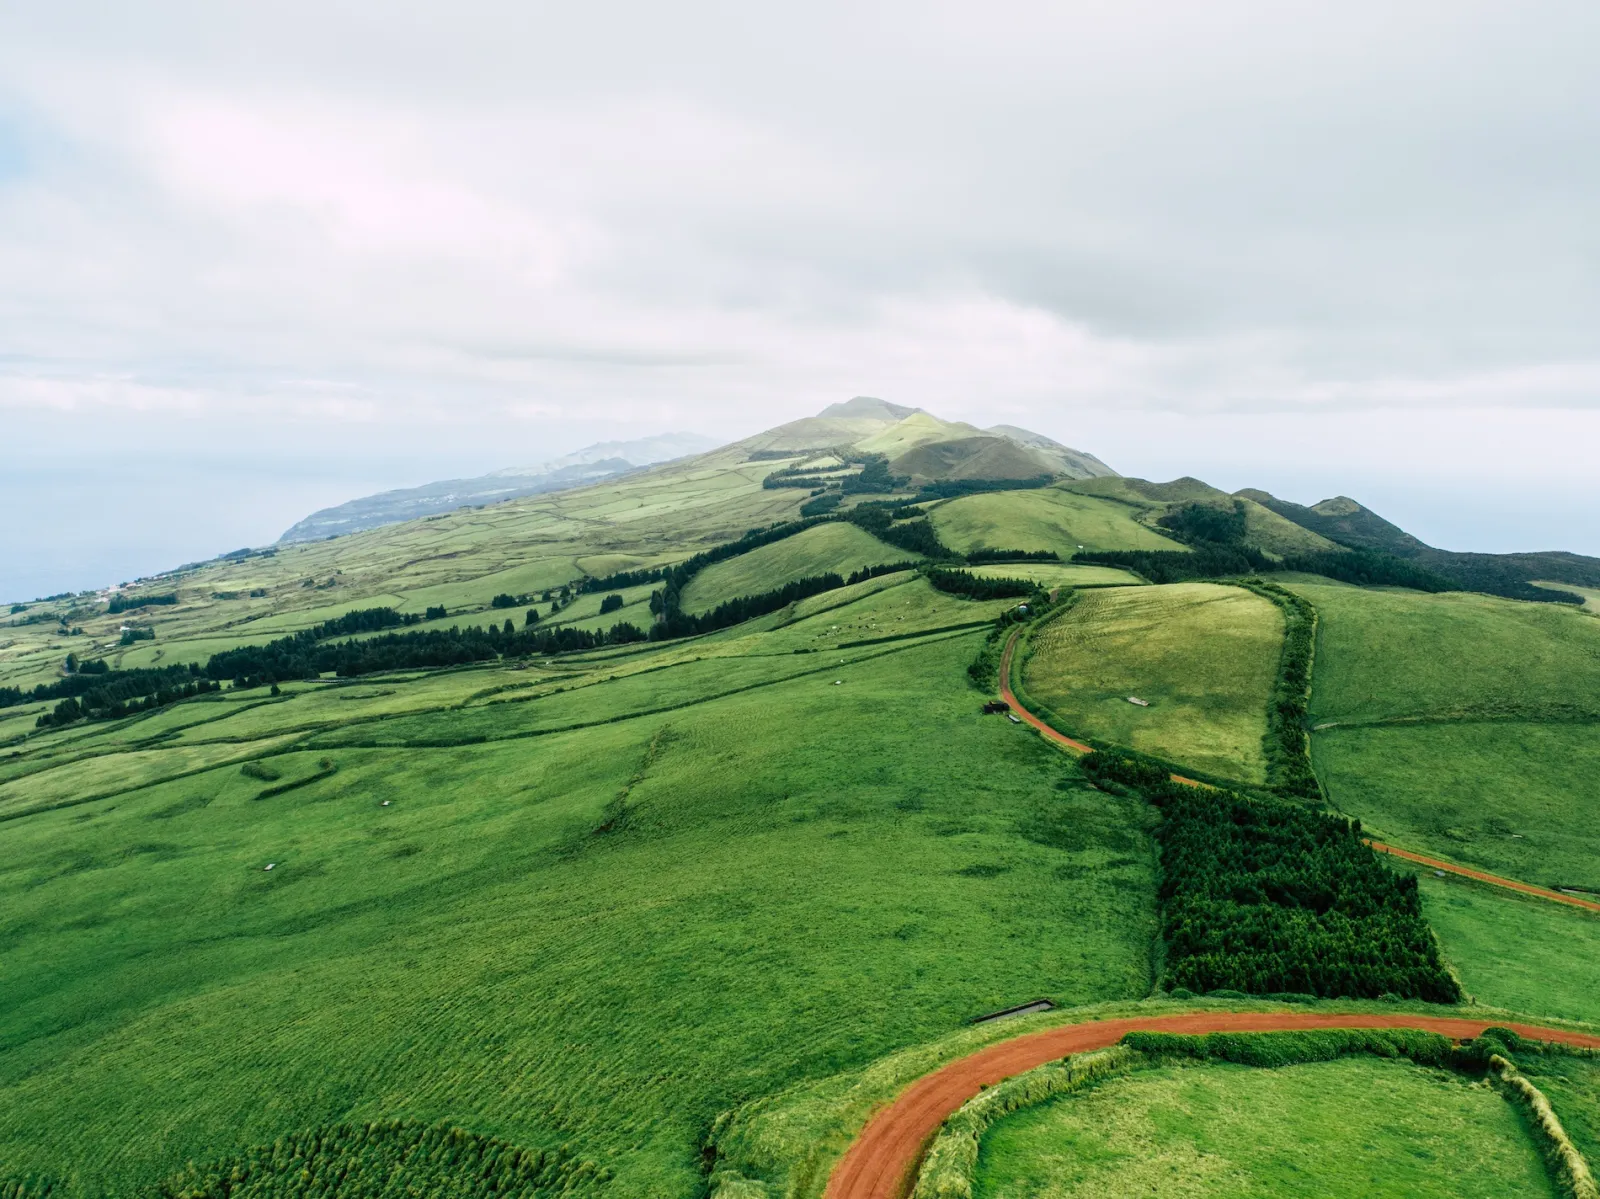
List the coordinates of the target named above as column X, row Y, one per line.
column 1056, row 737
column 881, row 1162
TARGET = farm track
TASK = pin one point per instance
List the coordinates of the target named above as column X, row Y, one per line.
column 881, row 1162
column 1482, row 876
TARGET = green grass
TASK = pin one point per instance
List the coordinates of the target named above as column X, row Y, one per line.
column 477, row 952
column 1516, row 952
column 1045, row 519
column 1204, row 655
column 1353, row 1127
column 1383, row 655
column 1572, row 1085
column 836, row 546
column 1057, row 574
column 1512, row 797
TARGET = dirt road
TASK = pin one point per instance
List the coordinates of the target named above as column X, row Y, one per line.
column 1510, row 884
column 880, row 1164
column 1481, row 876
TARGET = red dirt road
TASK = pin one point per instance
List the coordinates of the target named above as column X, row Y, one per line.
column 881, row 1163
column 1481, row 876
column 1026, row 716
column 1510, row 884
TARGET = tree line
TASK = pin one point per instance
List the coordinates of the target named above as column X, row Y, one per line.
column 1264, row 896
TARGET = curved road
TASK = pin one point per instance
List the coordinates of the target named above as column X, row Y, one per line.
column 881, row 1162
column 1481, row 876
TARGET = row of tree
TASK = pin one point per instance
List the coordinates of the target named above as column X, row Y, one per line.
column 977, row 587
column 1264, row 896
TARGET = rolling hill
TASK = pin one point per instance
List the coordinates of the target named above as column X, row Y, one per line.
column 600, row 461
column 614, row 841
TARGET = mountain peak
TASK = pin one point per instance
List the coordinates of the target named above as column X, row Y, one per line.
column 870, row 407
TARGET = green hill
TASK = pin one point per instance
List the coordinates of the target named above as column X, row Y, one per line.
column 1045, row 519
column 1202, row 657
column 837, row 547
column 414, row 862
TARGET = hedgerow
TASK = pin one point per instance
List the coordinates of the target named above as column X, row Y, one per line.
column 947, row 1172
column 1261, row 896
column 397, row 1159
column 1271, row 1049
column 1286, row 743
column 977, row 587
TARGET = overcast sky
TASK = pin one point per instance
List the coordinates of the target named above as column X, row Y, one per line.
column 259, row 258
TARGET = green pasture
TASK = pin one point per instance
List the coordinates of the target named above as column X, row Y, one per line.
column 836, row 546
column 1591, row 595
column 1203, row 655
column 602, row 937
column 1511, row 797
column 1387, row 654
column 1057, row 574
column 460, row 559
column 1044, row 519
column 1572, row 1085
column 1517, row 952
column 1352, row 1127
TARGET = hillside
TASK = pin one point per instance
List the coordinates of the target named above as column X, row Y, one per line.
column 642, row 839
column 589, row 465
column 1348, row 523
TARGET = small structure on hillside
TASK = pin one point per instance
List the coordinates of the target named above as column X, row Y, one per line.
column 1134, row 699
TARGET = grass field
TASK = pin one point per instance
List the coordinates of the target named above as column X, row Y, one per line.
column 837, row 547
column 1057, row 574
column 1204, row 656
column 1045, row 519
column 1383, row 655
column 1517, row 952
column 1468, row 727
column 461, row 559
column 1355, row 1127
column 1513, row 797
column 602, row 937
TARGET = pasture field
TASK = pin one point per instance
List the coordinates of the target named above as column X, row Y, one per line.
column 460, row 559
column 1386, row 655
column 1572, row 1084
column 837, row 547
column 1512, row 797
column 1516, row 952
column 601, row 937
column 1591, row 595
column 1204, row 656
column 1058, row 574
column 1350, row 1127
column 1044, row 519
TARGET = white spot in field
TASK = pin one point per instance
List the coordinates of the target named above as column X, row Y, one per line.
column 1440, row 873
column 269, row 865
column 838, row 682
column 386, row 803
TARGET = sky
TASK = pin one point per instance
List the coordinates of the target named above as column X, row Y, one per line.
column 256, row 259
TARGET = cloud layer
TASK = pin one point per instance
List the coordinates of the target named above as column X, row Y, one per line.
column 303, row 219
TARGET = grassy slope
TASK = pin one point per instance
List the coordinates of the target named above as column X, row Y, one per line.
column 1357, row 1127
column 837, row 547
column 477, row 952
column 460, row 560
column 1204, row 656
column 1055, row 574
column 1045, row 519
column 1517, row 952
column 1438, row 745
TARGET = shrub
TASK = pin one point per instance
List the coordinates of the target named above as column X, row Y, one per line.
column 127, row 603
column 610, row 604
column 1295, row 1048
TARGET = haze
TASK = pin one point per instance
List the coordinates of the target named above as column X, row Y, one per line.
column 255, row 261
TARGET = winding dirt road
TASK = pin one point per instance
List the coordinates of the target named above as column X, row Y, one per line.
column 882, row 1161
column 1482, row 876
